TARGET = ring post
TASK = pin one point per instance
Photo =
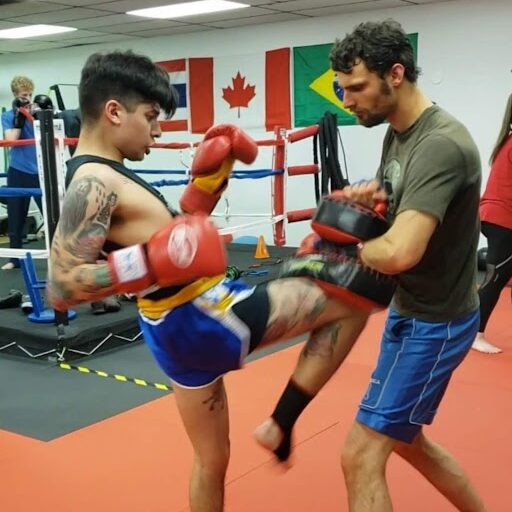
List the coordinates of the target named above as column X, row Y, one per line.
column 51, row 202
column 278, row 186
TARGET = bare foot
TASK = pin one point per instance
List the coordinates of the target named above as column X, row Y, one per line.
column 270, row 437
column 482, row 345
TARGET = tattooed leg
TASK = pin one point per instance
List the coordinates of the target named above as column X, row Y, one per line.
column 296, row 306
column 323, row 353
column 204, row 412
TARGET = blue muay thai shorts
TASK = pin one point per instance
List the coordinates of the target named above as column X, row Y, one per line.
column 197, row 340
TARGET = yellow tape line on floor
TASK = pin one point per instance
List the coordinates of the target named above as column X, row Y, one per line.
column 119, row 378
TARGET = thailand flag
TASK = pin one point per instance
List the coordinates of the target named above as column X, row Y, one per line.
column 193, row 80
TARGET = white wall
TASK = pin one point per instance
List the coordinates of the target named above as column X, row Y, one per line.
column 464, row 51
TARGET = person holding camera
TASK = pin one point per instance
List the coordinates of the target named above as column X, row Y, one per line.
column 22, row 172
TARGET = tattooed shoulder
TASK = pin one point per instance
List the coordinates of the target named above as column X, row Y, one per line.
column 86, row 197
column 85, row 217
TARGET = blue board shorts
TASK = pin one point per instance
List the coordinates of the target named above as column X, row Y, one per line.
column 415, row 364
column 200, row 340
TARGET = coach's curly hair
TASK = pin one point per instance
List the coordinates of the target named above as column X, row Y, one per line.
column 379, row 45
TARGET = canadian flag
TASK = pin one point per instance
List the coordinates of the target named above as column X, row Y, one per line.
column 251, row 91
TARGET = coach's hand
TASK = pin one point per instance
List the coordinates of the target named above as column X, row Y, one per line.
column 368, row 193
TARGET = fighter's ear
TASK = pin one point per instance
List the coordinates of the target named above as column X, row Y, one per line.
column 112, row 110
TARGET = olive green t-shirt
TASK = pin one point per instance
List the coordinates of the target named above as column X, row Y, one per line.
column 434, row 167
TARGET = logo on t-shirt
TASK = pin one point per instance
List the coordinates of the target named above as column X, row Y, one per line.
column 391, row 180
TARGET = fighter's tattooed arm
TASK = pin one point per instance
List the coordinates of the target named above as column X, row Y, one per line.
column 75, row 275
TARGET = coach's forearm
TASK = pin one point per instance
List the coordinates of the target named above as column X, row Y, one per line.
column 381, row 255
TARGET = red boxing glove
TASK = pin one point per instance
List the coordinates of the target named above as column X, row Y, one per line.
column 243, row 147
column 212, row 166
column 309, row 245
column 188, row 248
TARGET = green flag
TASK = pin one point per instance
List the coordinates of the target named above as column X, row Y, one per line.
column 316, row 89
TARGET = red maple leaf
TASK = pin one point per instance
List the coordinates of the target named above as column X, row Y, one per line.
column 240, row 94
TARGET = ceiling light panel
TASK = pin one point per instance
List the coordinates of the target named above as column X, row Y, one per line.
column 188, row 9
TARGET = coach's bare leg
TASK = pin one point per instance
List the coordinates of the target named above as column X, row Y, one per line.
column 441, row 469
column 363, row 460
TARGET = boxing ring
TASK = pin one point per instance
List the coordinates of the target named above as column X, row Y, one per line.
column 49, row 335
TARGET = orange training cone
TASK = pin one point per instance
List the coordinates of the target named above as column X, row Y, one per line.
column 261, row 249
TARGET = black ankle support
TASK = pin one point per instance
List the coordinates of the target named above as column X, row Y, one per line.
column 290, row 406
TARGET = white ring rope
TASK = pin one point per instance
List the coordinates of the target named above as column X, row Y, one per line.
column 221, row 215
column 44, row 253
column 241, row 227
column 21, row 253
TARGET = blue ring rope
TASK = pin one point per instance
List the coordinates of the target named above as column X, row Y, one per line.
column 19, row 192
column 238, row 175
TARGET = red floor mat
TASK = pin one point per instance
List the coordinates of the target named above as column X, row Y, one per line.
column 139, row 461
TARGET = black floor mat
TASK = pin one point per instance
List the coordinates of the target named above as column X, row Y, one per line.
column 43, row 401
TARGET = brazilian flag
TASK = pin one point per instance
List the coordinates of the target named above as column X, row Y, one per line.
column 316, row 89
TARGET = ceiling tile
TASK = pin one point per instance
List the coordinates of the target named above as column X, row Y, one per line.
column 22, row 8
column 357, row 7
column 9, row 24
column 256, row 20
column 183, row 29
column 77, row 3
column 260, row 3
column 116, row 21
column 77, row 34
column 102, row 38
column 69, row 14
column 427, row 1
column 26, row 45
column 138, row 26
column 296, row 5
column 99, row 21
column 102, row 20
